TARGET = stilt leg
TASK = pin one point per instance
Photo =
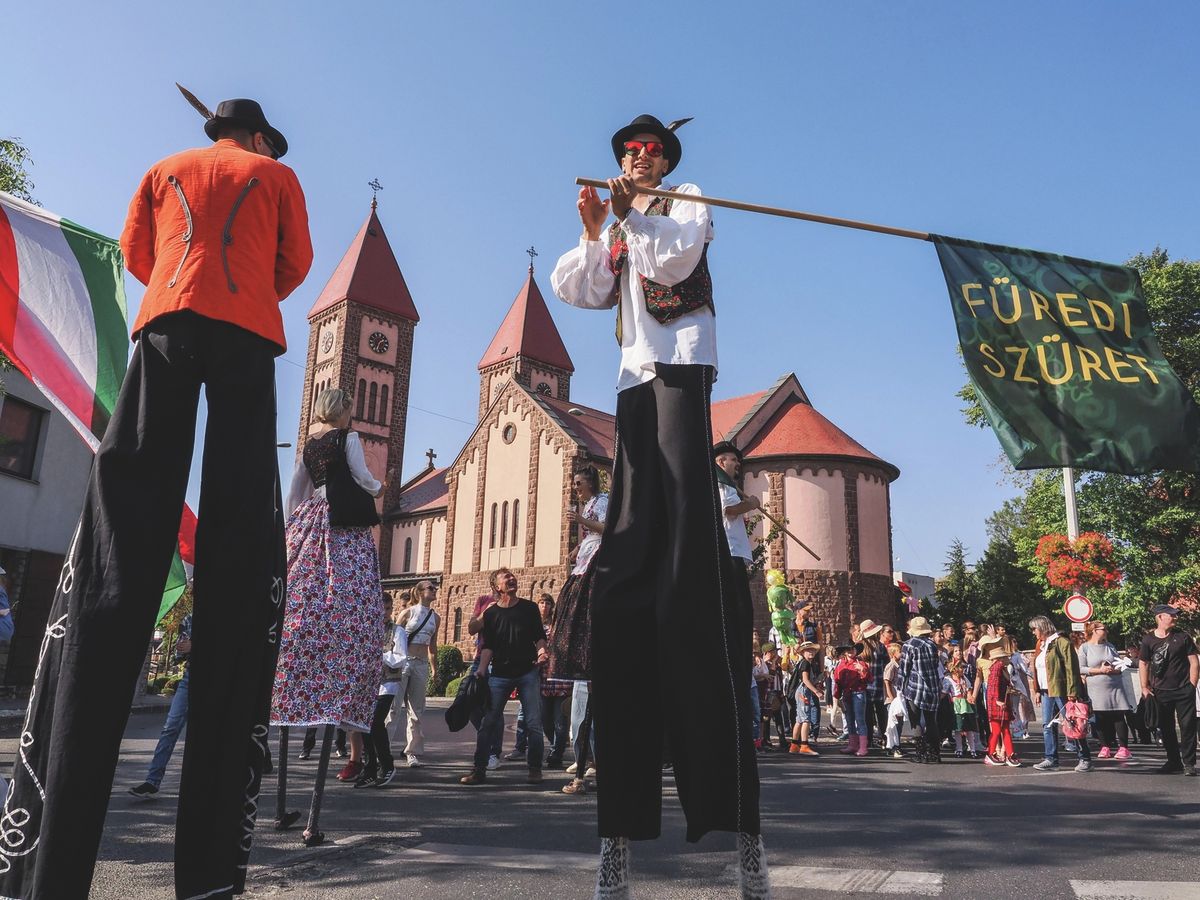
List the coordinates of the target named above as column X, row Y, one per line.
column 312, row 835
column 283, row 819
column 753, row 879
column 612, row 878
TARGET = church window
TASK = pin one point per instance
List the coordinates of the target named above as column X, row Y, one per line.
column 457, row 624
column 516, row 519
column 383, row 404
column 371, row 402
column 362, row 398
column 492, row 539
column 407, row 555
column 510, row 433
column 503, row 523
column 543, row 388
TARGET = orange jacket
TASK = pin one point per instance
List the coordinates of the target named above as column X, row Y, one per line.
column 220, row 231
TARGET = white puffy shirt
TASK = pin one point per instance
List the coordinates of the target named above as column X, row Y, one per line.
column 666, row 249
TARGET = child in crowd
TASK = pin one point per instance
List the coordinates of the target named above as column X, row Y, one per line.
column 965, row 727
column 831, row 706
column 850, row 680
column 893, row 700
column 806, row 684
column 998, row 698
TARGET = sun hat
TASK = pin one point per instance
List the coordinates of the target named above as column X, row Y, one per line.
column 919, row 625
column 867, row 628
column 808, row 645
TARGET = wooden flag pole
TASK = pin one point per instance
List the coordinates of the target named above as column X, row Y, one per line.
column 767, row 210
column 782, row 528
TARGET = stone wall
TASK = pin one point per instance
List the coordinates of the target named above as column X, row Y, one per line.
column 460, row 591
column 839, row 600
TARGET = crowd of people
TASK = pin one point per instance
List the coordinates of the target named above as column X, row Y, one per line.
column 970, row 690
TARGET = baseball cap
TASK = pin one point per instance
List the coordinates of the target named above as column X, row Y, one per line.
column 1165, row 608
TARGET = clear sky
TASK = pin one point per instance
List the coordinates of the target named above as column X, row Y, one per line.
column 1068, row 127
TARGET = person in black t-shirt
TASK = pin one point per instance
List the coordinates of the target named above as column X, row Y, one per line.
column 513, row 644
column 1169, row 667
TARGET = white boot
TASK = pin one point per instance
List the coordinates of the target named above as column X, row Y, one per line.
column 753, row 878
column 612, row 878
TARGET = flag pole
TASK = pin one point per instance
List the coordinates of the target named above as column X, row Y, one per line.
column 767, row 210
column 1072, row 509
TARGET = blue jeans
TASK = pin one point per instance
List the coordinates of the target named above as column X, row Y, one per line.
column 1051, row 707
column 579, row 703
column 176, row 721
column 529, row 692
column 756, row 708
column 854, row 705
column 497, row 745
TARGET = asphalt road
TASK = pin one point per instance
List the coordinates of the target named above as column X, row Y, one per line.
column 834, row 827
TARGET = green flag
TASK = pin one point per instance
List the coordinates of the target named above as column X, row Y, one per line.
column 1065, row 363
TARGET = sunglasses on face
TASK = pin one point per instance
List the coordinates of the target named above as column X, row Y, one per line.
column 652, row 148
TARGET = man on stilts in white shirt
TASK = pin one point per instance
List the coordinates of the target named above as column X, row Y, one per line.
column 665, row 561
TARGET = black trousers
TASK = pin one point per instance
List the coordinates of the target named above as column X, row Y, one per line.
column 1180, row 747
column 108, row 596
column 670, row 639
column 377, row 749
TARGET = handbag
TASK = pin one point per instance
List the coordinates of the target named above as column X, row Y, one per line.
column 350, row 506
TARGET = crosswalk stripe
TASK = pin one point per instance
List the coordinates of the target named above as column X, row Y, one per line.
column 858, row 881
column 500, row 857
column 1136, row 890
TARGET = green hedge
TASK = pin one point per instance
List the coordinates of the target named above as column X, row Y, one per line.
column 449, row 666
column 452, row 687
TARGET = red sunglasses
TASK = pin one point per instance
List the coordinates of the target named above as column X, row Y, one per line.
column 652, row 148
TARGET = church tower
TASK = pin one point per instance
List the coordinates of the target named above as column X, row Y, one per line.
column 360, row 339
column 527, row 347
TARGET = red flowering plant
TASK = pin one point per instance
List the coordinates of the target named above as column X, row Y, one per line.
column 1078, row 565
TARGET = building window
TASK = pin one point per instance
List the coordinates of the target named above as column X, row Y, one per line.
column 383, row 405
column 362, row 398
column 457, row 624
column 407, row 555
column 516, row 519
column 503, row 523
column 371, row 402
column 20, row 432
column 509, row 434
column 492, row 539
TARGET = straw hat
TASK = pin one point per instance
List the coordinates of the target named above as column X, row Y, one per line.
column 985, row 643
column 867, row 628
column 809, row 645
column 919, row 625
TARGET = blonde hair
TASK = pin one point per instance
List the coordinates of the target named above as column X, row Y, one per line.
column 331, row 403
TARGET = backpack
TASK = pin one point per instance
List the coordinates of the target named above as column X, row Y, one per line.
column 1075, row 720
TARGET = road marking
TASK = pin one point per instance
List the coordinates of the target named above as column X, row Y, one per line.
column 500, row 857
column 858, row 881
column 1136, row 890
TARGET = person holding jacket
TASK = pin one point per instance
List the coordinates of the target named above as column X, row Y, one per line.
column 219, row 236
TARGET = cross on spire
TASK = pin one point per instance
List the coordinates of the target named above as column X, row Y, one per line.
column 531, row 253
column 431, row 456
column 375, row 187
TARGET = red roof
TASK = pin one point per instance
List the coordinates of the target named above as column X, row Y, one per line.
column 596, row 430
column 426, row 492
column 727, row 414
column 368, row 274
column 796, row 429
column 529, row 331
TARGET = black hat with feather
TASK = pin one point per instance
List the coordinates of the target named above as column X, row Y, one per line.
column 647, row 124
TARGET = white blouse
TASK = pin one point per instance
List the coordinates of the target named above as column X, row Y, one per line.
column 666, row 249
column 302, row 485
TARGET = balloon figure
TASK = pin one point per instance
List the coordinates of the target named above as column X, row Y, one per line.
column 779, row 601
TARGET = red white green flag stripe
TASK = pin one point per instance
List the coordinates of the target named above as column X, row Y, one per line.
column 63, row 322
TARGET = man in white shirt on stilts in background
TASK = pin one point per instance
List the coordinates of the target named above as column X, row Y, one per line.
column 664, row 562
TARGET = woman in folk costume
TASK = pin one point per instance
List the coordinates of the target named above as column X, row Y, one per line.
column 664, row 567
column 329, row 664
column 999, row 707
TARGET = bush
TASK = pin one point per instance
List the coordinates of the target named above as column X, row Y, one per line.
column 452, row 687
column 155, row 686
column 449, row 666
column 171, row 685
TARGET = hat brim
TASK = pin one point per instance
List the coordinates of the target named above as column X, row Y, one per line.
column 871, row 632
column 274, row 135
column 672, row 149
column 918, row 632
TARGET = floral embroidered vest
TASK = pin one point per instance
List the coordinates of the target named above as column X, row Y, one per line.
column 665, row 303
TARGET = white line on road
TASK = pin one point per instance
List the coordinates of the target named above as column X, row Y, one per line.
column 1136, row 890
column 500, row 857
column 858, row 881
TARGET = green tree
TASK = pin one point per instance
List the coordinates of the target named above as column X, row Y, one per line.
column 956, row 596
column 1007, row 593
column 14, row 179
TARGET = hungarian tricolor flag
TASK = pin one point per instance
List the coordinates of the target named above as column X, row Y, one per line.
column 62, row 324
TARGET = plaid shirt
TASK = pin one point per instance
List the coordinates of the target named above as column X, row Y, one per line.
column 878, row 663
column 920, row 681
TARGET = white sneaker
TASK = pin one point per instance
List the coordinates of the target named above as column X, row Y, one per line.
column 590, row 773
column 572, row 768
column 413, row 762
column 493, row 762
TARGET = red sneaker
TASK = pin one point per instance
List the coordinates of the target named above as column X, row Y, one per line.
column 350, row 772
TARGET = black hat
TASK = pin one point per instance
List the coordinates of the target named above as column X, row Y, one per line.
column 245, row 114
column 1165, row 608
column 647, row 124
column 726, row 447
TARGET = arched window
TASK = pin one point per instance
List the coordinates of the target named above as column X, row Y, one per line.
column 503, row 523
column 371, row 402
column 407, row 555
column 492, row 539
column 362, row 398
column 383, row 405
column 516, row 519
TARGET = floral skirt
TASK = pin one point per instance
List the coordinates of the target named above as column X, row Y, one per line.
column 329, row 653
column 571, row 634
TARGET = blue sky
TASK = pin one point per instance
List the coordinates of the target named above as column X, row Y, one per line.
column 1067, row 127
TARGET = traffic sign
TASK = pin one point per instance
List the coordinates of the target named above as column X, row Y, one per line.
column 1078, row 608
